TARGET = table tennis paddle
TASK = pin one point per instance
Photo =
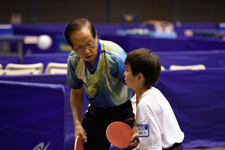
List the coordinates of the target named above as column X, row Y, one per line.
column 78, row 145
column 119, row 134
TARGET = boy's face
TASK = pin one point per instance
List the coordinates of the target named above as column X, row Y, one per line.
column 129, row 78
column 84, row 45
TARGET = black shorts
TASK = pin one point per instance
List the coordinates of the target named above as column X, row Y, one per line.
column 176, row 146
column 96, row 120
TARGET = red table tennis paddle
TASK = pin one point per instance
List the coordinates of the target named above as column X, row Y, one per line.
column 119, row 134
column 78, row 145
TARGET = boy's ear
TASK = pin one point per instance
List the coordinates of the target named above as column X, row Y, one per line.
column 140, row 76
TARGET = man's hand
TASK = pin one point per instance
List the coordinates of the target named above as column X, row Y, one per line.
column 79, row 131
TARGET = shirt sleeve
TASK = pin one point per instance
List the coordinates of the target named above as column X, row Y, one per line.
column 118, row 56
column 149, row 131
column 72, row 80
column 121, row 69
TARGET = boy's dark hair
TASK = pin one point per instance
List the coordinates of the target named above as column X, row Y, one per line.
column 146, row 62
column 76, row 25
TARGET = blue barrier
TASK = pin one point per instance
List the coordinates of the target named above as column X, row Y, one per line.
column 45, row 58
column 132, row 42
column 211, row 59
column 208, row 58
column 129, row 43
column 55, row 79
column 5, row 59
column 32, row 115
column 195, row 96
column 221, row 58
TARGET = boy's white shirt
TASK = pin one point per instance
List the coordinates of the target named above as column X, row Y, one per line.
column 134, row 105
column 157, row 124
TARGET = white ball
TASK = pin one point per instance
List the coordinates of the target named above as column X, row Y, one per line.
column 44, row 42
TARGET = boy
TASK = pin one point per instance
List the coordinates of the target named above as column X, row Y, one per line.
column 157, row 125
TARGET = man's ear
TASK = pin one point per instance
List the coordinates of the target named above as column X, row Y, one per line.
column 96, row 35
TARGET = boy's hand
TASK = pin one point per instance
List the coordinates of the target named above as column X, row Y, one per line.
column 134, row 141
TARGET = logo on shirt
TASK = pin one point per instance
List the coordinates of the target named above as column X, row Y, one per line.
column 143, row 130
column 95, row 85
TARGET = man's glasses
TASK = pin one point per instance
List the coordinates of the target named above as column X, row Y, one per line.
column 89, row 45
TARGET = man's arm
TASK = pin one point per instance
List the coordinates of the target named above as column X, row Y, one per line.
column 76, row 103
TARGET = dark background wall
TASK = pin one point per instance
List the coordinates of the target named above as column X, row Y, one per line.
column 110, row 11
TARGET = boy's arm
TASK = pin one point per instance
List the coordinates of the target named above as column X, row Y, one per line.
column 135, row 128
column 134, row 139
column 76, row 103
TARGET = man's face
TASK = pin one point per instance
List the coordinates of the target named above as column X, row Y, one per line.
column 84, row 45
